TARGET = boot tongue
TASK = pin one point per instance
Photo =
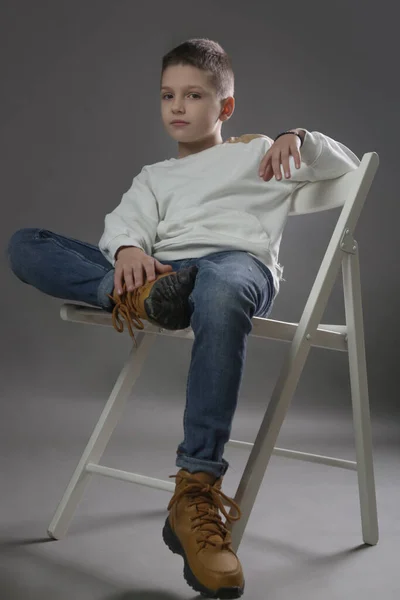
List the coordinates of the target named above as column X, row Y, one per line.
column 207, row 478
column 200, row 476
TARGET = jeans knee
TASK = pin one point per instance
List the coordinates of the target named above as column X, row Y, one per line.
column 18, row 238
column 222, row 306
column 21, row 236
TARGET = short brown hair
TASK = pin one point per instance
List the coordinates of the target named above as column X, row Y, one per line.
column 209, row 56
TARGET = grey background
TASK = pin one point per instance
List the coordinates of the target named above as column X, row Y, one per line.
column 80, row 116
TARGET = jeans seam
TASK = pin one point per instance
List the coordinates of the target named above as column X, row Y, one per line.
column 82, row 243
column 80, row 256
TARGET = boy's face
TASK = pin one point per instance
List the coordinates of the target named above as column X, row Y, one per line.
column 187, row 95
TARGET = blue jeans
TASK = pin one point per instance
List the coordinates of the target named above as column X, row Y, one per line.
column 231, row 287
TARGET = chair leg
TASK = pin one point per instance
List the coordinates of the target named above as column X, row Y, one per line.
column 282, row 394
column 100, row 436
column 359, row 394
column 267, row 435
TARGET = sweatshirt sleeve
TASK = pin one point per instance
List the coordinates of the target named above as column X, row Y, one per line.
column 133, row 222
column 321, row 158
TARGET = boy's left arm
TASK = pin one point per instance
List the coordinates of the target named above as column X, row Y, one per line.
column 320, row 157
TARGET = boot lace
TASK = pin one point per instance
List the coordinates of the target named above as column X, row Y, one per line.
column 125, row 307
column 208, row 516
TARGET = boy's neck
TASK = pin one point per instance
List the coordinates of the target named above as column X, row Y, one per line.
column 196, row 147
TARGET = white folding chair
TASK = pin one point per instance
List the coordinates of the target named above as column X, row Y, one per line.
column 348, row 191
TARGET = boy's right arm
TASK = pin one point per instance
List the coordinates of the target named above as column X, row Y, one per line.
column 133, row 223
column 129, row 234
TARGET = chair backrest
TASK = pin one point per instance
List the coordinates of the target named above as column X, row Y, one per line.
column 349, row 191
column 315, row 196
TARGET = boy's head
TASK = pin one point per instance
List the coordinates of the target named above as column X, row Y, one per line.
column 197, row 86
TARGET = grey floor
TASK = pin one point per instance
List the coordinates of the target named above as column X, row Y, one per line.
column 303, row 539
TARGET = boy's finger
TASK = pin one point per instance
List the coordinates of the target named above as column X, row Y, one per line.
column 263, row 168
column 263, row 164
column 151, row 272
column 276, row 166
column 286, row 167
column 268, row 173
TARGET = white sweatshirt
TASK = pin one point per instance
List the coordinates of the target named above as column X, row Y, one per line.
column 215, row 200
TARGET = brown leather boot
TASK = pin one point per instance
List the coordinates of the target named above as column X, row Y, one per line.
column 194, row 530
column 163, row 302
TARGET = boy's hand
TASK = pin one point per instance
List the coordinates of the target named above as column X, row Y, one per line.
column 129, row 267
column 278, row 154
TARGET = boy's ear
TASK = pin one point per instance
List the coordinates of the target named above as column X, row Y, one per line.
column 226, row 109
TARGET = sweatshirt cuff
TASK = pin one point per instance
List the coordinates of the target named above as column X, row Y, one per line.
column 311, row 148
column 117, row 242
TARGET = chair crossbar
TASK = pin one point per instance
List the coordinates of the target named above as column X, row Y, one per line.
column 331, row 337
column 169, row 486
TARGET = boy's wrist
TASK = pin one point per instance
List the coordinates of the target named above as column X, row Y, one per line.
column 301, row 133
column 123, row 247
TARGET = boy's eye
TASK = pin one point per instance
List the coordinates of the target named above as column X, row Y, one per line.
column 192, row 94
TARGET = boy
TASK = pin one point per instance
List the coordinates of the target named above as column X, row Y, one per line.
column 194, row 242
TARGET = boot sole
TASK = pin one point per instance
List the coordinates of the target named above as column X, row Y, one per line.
column 173, row 543
column 168, row 302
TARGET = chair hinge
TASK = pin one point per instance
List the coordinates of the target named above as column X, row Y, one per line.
column 348, row 243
